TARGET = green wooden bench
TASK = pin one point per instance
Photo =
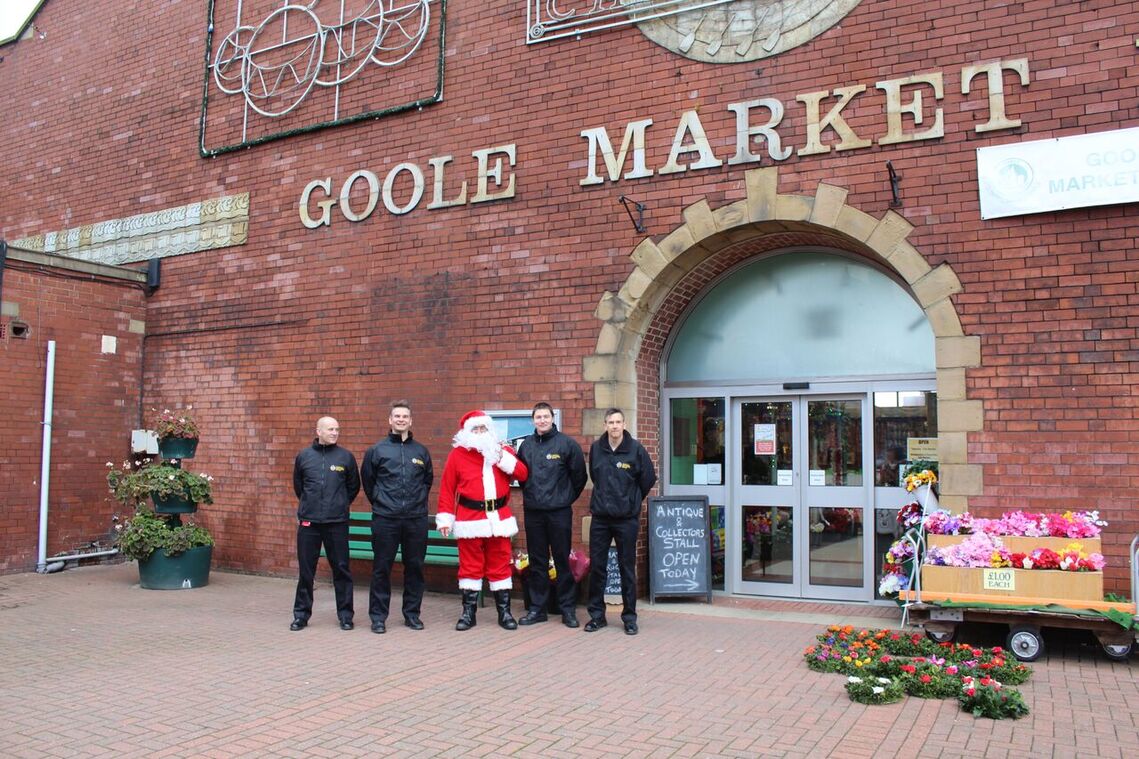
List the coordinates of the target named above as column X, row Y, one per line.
column 441, row 551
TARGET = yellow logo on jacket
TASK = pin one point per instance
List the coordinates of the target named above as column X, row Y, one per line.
column 417, row 461
column 553, row 457
column 623, row 465
column 336, row 468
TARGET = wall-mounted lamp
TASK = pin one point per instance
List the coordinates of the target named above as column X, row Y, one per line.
column 639, row 221
column 153, row 275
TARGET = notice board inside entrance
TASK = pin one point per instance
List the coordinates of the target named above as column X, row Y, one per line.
column 680, row 547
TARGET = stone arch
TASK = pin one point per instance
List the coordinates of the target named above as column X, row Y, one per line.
column 637, row 319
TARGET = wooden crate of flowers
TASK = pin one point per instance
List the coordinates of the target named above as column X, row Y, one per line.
column 1025, row 558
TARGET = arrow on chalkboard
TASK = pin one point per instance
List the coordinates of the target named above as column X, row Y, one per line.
column 687, row 585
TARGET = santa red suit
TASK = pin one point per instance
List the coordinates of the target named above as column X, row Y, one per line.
column 474, row 504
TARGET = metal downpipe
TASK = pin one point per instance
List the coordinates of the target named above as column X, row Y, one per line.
column 45, row 453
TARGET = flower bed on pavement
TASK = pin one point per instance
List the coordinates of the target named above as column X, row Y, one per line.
column 881, row 665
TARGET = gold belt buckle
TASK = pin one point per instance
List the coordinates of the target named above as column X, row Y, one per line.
column 490, row 504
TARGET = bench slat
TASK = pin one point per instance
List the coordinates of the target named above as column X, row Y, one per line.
column 441, row 551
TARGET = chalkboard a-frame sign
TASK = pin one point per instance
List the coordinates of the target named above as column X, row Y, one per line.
column 680, row 548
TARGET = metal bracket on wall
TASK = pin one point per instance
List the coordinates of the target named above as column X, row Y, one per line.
column 895, row 182
column 639, row 221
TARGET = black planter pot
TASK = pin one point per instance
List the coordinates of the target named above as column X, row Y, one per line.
column 177, row 447
column 189, row 569
column 173, row 505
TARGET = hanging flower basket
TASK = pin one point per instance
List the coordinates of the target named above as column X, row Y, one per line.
column 177, row 432
column 177, row 447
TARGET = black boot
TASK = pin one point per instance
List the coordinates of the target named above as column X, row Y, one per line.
column 470, row 604
column 502, row 603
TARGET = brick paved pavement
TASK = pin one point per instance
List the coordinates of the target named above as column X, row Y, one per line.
column 95, row 666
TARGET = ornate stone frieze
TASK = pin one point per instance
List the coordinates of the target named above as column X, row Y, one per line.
column 205, row 225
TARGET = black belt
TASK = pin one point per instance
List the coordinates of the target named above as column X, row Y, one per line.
column 492, row 504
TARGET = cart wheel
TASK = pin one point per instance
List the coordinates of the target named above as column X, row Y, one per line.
column 1025, row 642
column 942, row 636
column 1117, row 651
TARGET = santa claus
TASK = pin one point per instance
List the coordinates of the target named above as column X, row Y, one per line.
column 474, row 505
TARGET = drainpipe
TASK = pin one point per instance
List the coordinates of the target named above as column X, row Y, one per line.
column 45, row 454
column 58, row 562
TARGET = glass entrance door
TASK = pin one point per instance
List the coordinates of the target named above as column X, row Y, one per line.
column 800, row 495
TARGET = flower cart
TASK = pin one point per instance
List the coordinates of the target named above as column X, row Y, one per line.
column 1029, row 571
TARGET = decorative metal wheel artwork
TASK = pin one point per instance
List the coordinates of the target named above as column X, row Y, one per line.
column 714, row 31
column 275, row 64
column 277, row 68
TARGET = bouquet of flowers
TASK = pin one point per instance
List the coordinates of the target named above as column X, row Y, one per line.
column 917, row 479
column 975, row 551
column 909, row 515
column 941, row 522
column 895, row 577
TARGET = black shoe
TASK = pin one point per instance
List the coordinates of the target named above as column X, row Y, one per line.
column 594, row 625
column 569, row 619
column 298, row 624
column 630, row 628
column 379, row 628
column 413, row 622
column 533, row 618
column 346, row 624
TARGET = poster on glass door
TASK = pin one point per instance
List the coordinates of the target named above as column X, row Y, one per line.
column 764, row 437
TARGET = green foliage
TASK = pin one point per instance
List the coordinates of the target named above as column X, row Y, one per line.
column 873, row 690
column 985, row 697
column 176, row 423
column 132, row 487
column 930, row 682
column 883, row 665
column 918, row 466
column 147, row 532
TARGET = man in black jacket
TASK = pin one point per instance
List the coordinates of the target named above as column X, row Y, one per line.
column 623, row 475
column 397, row 477
column 326, row 481
column 557, row 477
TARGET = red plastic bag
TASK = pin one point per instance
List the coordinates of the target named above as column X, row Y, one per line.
column 579, row 564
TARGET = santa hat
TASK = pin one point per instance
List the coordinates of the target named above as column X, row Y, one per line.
column 476, row 418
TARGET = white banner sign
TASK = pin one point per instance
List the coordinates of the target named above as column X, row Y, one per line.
column 1066, row 172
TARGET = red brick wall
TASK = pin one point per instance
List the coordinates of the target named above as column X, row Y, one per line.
column 95, row 406
column 492, row 305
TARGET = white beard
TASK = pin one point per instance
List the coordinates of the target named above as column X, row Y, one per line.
column 485, row 443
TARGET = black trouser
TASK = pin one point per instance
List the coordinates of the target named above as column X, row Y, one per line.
column 334, row 537
column 601, row 532
column 549, row 532
column 408, row 536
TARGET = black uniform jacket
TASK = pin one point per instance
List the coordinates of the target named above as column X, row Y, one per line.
column 557, row 470
column 621, row 478
column 397, row 477
column 326, row 480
